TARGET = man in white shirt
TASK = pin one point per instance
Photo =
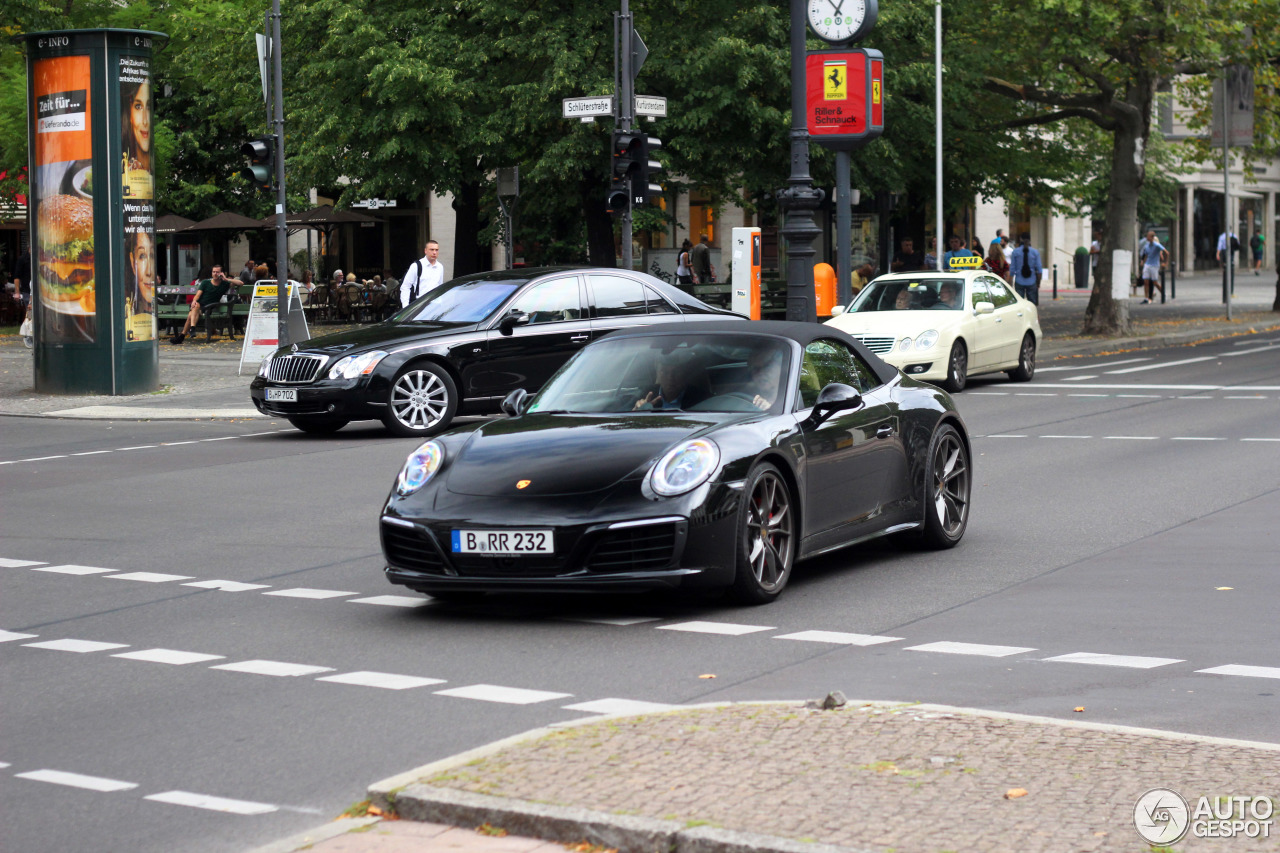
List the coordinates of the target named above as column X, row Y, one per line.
column 425, row 274
column 1226, row 252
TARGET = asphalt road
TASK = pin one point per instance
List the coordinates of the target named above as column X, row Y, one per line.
column 1122, row 541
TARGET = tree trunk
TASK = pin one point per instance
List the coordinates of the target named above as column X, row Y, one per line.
column 1106, row 315
column 601, row 251
column 466, row 232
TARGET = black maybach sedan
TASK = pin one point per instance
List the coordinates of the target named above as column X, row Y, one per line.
column 670, row 456
column 462, row 347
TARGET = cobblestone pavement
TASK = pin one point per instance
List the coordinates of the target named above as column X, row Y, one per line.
column 878, row 777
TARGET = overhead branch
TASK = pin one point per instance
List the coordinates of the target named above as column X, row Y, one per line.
column 1103, row 121
column 1104, row 85
column 1036, row 95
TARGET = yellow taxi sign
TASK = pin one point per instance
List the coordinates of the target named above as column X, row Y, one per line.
column 971, row 262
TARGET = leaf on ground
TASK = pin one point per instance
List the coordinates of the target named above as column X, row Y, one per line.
column 1014, row 793
column 1225, row 588
column 488, row 829
column 1079, row 709
column 707, row 675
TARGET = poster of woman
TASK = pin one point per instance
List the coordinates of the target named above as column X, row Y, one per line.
column 138, row 184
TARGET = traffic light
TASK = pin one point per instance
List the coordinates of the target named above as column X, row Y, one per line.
column 261, row 151
column 628, row 157
column 647, row 185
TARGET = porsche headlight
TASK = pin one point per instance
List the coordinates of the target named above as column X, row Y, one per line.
column 685, row 467
column 925, row 340
column 420, row 467
column 356, row 365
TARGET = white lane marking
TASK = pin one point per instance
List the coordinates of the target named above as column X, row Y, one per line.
column 1245, row 397
column 950, row 648
column 506, row 695
column 4, row 764
column 1194, row 438
column 1131, row 661
column 176, row 443
column 1080, row 378
column 7, row 636
column 221, row 438
column 385, row 680
column 216, row 804
column 1138, row 396
column 76, row 780
column 1032, row 394
column 254, row 434
column 1066, row 436
column 728, row 628
column 619, row 706
column 1260, row 439
column 148, row 577
column 74, row 570
column 228, row 586
column 838, row 637
column 391, row 601
column 1088, row 395
column 988, row 393
column 1145, row 367
column 1132, row 437
column 1251, row 351
column 19, row 564
column 1246, row 671
column 41, row 458
column 170, row 656
column 1193, row 397
column 618, row 621
column 78, row 646
column 138, row 447
column 1006, row 436
column 306, row 592
column 91, row 453
column 272, row 667
column 1094, row 366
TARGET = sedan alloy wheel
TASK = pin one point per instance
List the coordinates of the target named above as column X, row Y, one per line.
column 423, row 401
column 957, row 368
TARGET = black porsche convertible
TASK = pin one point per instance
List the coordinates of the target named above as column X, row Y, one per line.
column 462, row 347
column 677, row 456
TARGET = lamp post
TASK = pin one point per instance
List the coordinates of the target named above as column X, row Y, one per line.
column 800, row 198
column 937, row 132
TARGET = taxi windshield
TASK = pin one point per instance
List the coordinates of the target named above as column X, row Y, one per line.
column 902, row 294
column 462, row 300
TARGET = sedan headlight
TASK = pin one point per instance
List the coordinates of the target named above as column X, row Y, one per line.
column 356, row 365
column 266, row 365
column 905, row 344
column 925, row 340
column 685, row 467
column 420, row 467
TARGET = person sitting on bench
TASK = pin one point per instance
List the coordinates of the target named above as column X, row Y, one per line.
column 209, row 292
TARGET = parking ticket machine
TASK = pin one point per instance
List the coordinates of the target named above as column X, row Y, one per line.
column 746, row 272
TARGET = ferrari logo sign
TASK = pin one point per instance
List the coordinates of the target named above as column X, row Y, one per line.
column 835, row 80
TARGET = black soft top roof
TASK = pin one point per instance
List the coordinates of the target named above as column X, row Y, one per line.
column 802, row 333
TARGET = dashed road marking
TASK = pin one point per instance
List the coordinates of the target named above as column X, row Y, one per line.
column 148, row 577
column 74, row 570
column 1131, row 661
column 727, row 628
column 505, row 695
column 1246, row 671
column 217, row 804
column 78, row 646
column 307, row 592
column 1066, row 436
column 9, row 636
column 838, row 638
column 619, row 706
column 385, row 680
column 169, row 656
column 76, row 780
column 390, row 600
column 617, row 621
column 19, row 564
column 950, row 648
column 273, row 667
column 1132, row 437
column 228, row 586
column 1195, row 438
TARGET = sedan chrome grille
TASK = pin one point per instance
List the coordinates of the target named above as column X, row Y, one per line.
column 878, row 346
column 294, row 368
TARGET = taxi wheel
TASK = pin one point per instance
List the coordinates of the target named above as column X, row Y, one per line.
column 957, row 368
column 947, row 483
column 766, row 542
column 318, row 425
column 422, row 401
column 1026, row 360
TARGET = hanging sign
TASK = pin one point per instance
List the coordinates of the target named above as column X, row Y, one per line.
column 844, row 97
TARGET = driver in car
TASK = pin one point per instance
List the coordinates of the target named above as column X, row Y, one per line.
column 948, row 296
column 675, row 386
column 766, row 376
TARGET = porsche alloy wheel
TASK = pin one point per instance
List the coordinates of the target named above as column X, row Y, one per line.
column 1026, row 360
column 766, row 540
column 948, row 483
column 957, row 368
column 422, row 402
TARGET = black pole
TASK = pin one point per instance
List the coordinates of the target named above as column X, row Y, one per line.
column 800, row 198
column 626, row 102
column 283, row 299
column 1173, row 279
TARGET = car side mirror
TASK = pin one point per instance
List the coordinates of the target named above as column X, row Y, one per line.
column 514, row 317
column 514, row 404
column 837, row 310
column 983, row 308
column 835, row 397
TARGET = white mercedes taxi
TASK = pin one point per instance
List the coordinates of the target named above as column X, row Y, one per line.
column 944, row 327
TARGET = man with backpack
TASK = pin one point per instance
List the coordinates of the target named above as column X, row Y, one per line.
column 1223, row 257
column 1027, row 270
column 426, row 274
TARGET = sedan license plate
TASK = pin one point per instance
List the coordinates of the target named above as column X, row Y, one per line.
column 282, row 395
column 503, row 542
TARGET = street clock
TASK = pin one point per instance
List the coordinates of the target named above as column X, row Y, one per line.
column 841, row 21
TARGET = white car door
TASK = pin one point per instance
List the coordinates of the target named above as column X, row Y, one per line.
column 985, row 343
column 1011, row 320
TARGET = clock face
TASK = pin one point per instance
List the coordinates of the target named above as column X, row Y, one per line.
column 840, row 20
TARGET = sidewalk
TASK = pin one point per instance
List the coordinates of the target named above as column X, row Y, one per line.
column 199, row 380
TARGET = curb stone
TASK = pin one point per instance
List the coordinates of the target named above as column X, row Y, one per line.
column 304, row 840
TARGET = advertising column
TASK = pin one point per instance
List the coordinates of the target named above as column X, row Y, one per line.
column 93, row 210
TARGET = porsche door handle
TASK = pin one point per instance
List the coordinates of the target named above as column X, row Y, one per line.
column 884, row 432
column 577, row 339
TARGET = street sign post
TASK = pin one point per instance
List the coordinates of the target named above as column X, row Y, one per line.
column 587, row 109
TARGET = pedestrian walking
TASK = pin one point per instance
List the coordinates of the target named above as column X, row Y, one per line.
column 1095, row 252
column 1226, row 253
column 1154, row 256
column 426, row 274
column 1027, row 270
column 1256, row 244
column 701, row 257
column 684, row 265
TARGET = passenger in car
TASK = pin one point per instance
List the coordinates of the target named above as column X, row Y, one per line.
column 680, row 383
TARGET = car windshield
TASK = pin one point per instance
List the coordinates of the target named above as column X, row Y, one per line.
column 462, row 300
column 903, row 294
column 692, row 373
